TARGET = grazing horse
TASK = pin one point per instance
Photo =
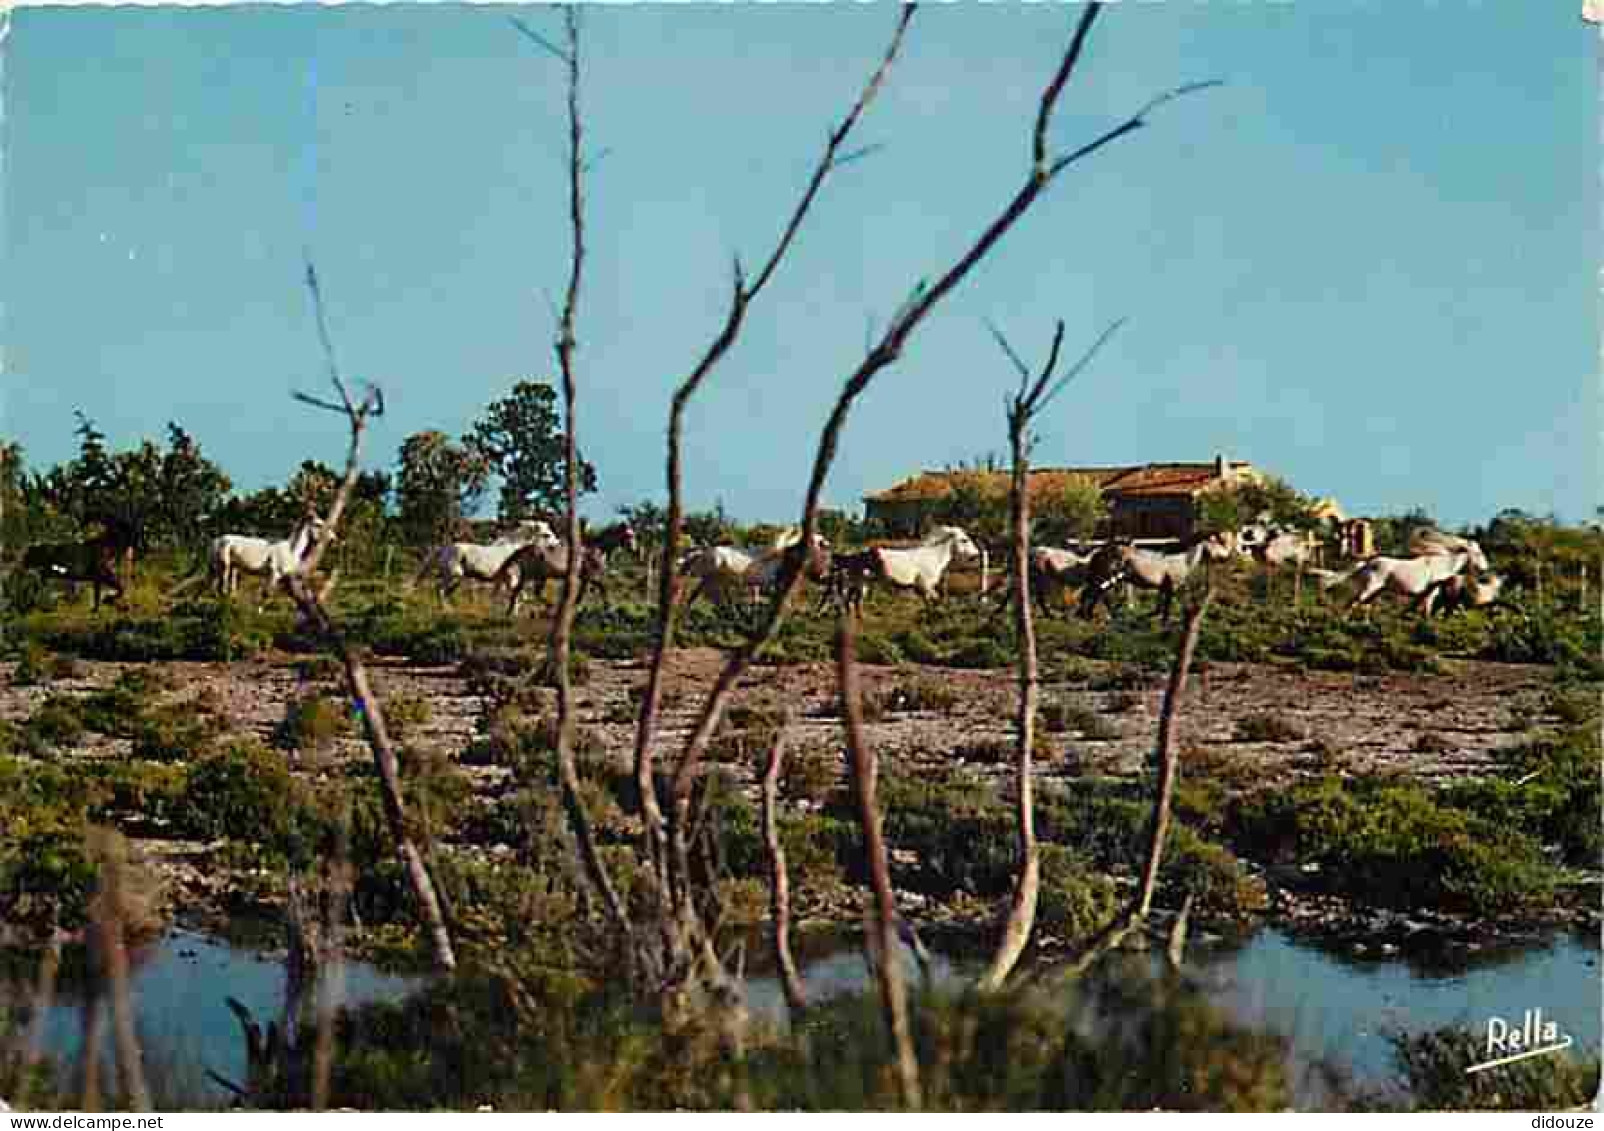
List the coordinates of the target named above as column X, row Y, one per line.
column 456, row 562
column 922, row 567
column 1161, row 571
column 537, row 564
column 94, row 561
column 232, row 554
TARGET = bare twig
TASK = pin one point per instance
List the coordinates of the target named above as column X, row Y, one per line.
column 921, row 300
column 1135, row 914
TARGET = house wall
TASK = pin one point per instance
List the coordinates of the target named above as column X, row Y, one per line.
column 1162, row 516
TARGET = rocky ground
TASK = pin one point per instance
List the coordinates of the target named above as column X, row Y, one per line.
column 1430, row 727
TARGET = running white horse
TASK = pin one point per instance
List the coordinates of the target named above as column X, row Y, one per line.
column 922, row 567
column 1435, row 557
column 725, row 571
column 1462, row 591
column 456, row 562
column 1163, row 572
column 233, row 554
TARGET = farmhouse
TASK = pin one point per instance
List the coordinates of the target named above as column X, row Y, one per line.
column 1150, row 500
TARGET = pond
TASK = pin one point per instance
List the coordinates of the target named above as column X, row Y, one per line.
column 1335, row 1006
column 180, row 986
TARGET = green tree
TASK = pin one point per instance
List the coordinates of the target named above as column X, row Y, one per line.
column 520, row 440
column 1073, row 512
column 439, row 482
column 165, row 498
column 1271, row 499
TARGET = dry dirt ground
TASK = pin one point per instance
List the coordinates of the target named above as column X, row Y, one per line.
column 1427, row 727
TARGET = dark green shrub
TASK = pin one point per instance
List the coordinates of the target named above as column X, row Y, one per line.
column 810, row 773
column 57, row 723
column 1435, row 1067
column 311, row 722
column 1393, row 845
column 1075, row 900
column 923, row 694
column 245, row 792
column 406, row 714
column 46, row 877
column 981, row 652
column 174, row 733
column 873, row 648
column 1267, row 726
column 33, row 665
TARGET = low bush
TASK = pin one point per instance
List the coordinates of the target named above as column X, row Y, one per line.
column 311, row 723
column 1267, row 726
column 1395, row 845
column 1435, row 1065
column 923, row 694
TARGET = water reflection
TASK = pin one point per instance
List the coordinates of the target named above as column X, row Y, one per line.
column 1335, row 1006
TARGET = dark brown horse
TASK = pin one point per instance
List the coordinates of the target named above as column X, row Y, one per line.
column 536, row 564
column 94, row 561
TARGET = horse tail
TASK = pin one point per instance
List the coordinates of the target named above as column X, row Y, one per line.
column 1330, row 580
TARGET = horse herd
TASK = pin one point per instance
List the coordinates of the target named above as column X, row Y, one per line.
column 1441, row 572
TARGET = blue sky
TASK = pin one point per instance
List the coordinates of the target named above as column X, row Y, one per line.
column 1367, row 263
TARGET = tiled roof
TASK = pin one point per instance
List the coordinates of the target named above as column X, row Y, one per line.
column 1140, row 480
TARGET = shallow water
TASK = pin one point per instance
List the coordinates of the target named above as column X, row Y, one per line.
column 1335, row 1007
column 180, row 984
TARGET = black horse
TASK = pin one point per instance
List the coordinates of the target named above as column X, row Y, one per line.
column 94, row 561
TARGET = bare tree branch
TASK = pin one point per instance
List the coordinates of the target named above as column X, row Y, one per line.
column 882, row 925
column 298, row 586
column 1135, row 914
column 568, row 600
column 656, row 832
column 796, row 997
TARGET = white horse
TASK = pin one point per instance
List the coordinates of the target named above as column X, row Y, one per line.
column 724, row 571
column 1435, row 557
column 1163, row 572
column 922, row 567
column 1461, row 591
column 455, row 562
column 232, row 554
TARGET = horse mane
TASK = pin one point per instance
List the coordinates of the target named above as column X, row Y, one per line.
column 1428, row 540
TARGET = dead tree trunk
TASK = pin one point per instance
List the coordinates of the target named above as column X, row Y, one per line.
column 796, row 997
column 1022, row 410
column 883, row 924
column 1135, row 915
column 568, row 599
